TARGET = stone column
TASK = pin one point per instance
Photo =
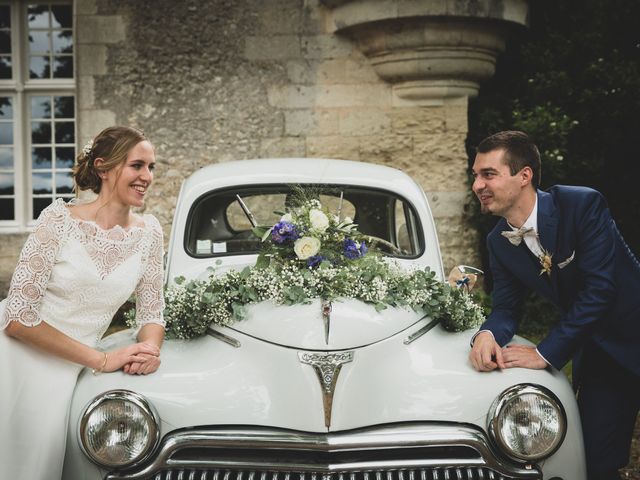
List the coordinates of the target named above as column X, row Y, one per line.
column 434, row 54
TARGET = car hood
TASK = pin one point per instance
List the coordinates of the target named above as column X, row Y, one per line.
column 337, row 325
column 207, row 381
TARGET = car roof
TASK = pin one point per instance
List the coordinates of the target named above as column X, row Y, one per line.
column 300, row 170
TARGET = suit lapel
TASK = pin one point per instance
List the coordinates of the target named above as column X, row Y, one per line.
column 547, row 221
column 548, row 232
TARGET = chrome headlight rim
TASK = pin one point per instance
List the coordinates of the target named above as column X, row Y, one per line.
column 504, row 399
column 122, row 395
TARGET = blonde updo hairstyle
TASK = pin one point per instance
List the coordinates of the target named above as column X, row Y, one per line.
column 112, row 145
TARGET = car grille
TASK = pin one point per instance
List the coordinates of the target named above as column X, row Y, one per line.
column 434, row 451
column 453, row 473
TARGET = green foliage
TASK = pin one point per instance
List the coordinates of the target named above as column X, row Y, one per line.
column 336, row 264
column 191, row 306
column 571, row 81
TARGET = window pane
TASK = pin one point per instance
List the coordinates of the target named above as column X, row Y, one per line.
column 64, row 107
column 39, row 42
column 63, row 42
column 6, row 157
column 6, row 209
column 38, row 16
column 5, row 67
column 41, row 157
column 40, row 204
column 6, row 183
column 6, row 108
column 61, row 16
column 40, row 132
column 65, row 157
column 63, row 67
column 41, row 182
column 40, row 107
column 39, row 67
column 5, row 41
column 6, row 133
column 64, row 132
column 5, row 16
column 64, row 182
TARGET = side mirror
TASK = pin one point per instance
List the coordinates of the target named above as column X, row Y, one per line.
column 464, row 276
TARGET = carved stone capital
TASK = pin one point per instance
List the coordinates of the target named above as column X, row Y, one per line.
column 430, row 49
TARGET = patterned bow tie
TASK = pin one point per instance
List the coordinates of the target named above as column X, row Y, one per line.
column 516, row 236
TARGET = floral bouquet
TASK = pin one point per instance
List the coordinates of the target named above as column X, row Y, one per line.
column 310, row 253
column 310, row 234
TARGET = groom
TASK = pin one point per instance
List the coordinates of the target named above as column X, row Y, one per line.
column 563, row 245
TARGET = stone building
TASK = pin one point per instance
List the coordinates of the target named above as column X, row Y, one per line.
column 382, row 81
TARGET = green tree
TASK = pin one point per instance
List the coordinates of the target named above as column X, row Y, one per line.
column 572, row 81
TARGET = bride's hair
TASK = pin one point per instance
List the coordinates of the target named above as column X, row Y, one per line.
column 112, row 146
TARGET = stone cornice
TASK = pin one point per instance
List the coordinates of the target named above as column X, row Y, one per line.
column 430, row 50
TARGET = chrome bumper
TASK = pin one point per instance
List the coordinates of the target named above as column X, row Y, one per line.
column 434, row 451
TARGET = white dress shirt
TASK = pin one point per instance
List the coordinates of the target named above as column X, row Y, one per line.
column 531, row 241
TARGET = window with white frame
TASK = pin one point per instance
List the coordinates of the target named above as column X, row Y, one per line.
column 37, row 108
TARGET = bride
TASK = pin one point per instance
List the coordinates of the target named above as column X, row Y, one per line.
column 80, row 264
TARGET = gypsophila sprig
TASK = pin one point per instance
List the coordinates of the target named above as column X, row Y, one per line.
column 222, row 299
column 310, row 253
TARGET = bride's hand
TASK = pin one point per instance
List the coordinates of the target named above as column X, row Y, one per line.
column 138, row 352
column 150, row 365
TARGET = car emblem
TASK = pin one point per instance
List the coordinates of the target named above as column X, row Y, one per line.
column 327, row 367
column 326, row 317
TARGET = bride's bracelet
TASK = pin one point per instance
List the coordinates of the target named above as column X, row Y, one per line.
column 101, row 369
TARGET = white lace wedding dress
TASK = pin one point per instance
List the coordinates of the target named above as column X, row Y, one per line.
column 74, row 276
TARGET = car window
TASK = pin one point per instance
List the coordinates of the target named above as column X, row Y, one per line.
column 220, row 222
column 262, row 205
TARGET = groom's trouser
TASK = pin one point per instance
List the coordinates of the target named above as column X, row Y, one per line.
column 609, row 399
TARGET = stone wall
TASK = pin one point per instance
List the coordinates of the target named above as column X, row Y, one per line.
column 224, row 80
column 11, row 246
column 219, row 80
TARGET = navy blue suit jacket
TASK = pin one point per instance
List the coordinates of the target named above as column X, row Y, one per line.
column 598, row 292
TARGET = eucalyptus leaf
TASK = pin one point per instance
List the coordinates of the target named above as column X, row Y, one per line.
column 262, row 262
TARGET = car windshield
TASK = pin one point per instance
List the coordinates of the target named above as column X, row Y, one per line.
column 220, row 222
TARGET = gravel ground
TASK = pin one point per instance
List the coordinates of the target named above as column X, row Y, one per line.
column 632, row 472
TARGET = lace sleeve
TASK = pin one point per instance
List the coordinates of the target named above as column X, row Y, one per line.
column 149, row 291
column 31, row 276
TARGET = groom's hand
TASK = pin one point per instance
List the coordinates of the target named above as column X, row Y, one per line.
column 486, row 354
column 523, row 356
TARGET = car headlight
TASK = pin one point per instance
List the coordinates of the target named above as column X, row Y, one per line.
column 119, row 428
column 527, row 422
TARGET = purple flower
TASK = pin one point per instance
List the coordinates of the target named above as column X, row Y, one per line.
column 352, row 250
column 314, row 261
column 284, row 233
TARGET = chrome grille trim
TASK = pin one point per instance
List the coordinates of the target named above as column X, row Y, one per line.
column 428, row 451
column 454, row 473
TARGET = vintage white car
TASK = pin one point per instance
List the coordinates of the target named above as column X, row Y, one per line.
column 342, row 391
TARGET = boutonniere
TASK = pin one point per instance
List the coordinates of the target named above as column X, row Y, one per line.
column 545, row 261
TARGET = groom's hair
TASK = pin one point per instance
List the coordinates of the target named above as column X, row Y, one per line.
column 519, row 152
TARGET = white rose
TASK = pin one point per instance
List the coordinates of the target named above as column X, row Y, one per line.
column 306, row 247
column 319, row 221
column 286, row 218
column 348, row 220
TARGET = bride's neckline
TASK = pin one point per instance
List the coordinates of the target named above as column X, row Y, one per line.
column 93, row 223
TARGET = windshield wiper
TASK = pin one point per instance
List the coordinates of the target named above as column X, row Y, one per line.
column 247, row 212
